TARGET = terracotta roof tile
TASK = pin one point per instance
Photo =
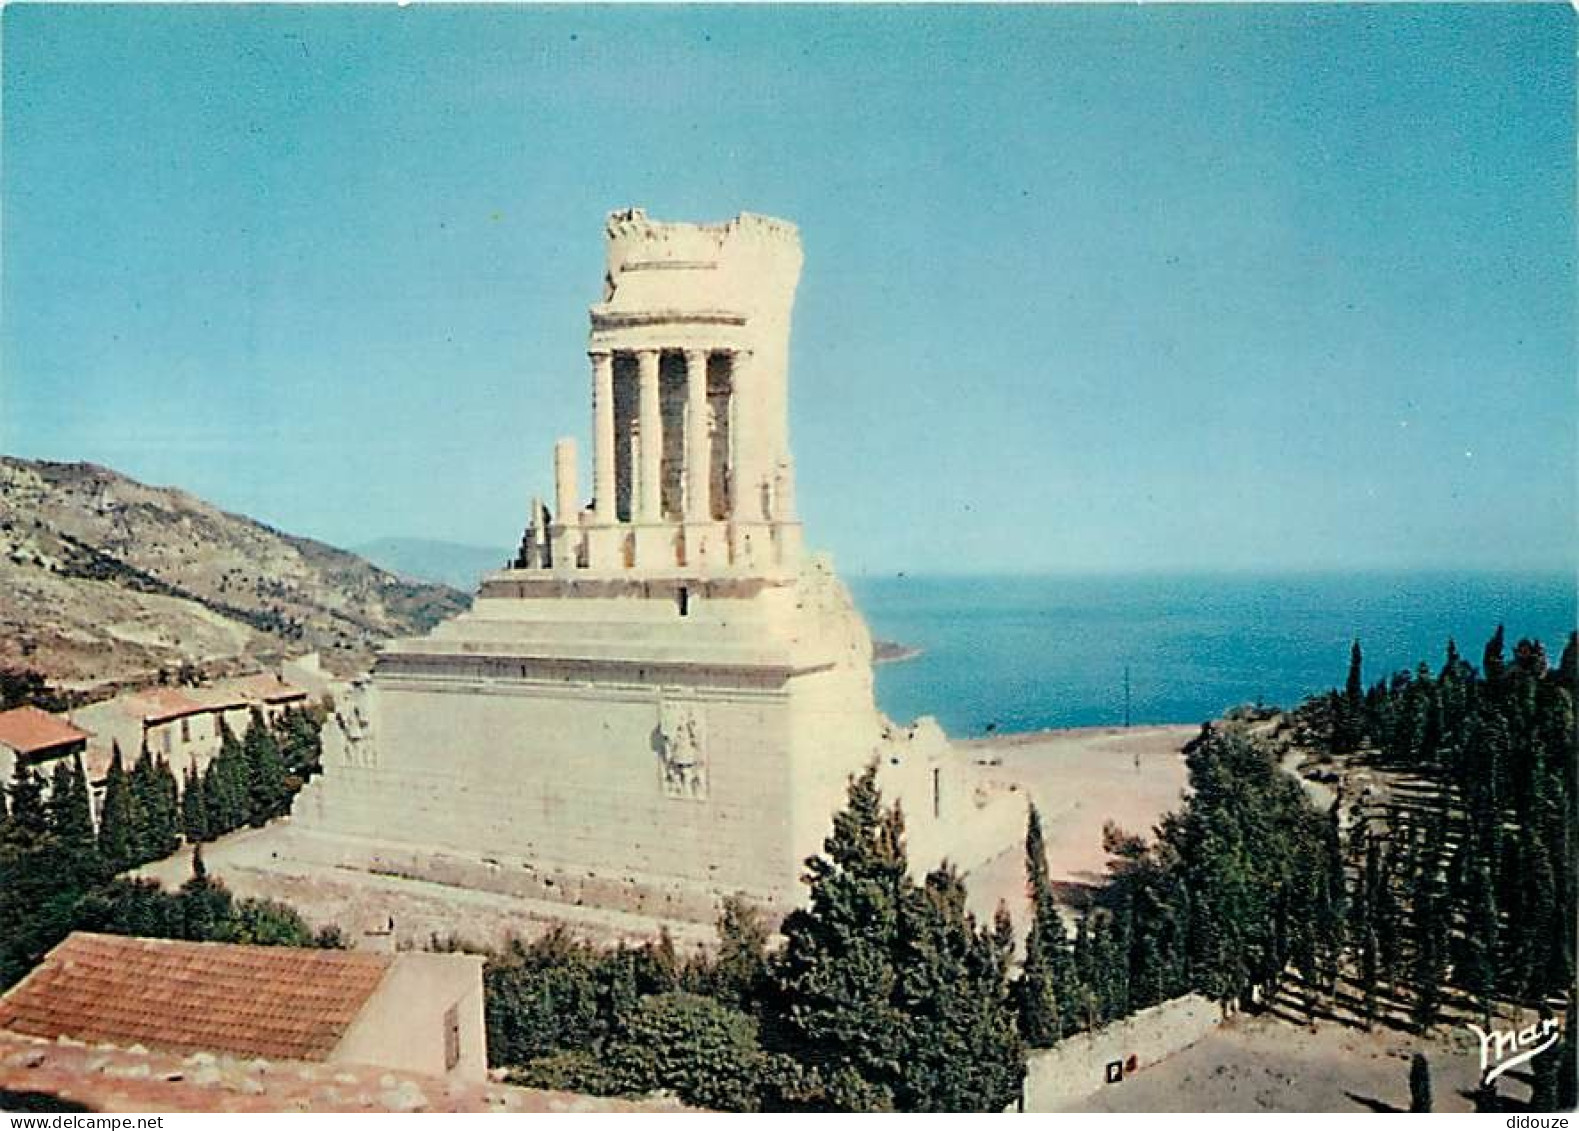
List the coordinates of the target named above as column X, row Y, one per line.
column 266, row 687
column 160, row 705
column 27, row 729
column 276, row 1002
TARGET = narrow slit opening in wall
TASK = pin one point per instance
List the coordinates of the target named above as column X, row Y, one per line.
column 683, row 599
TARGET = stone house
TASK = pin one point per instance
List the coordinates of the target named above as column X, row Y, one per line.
column 38, row 738
column 181, row 725
column 410, row 1012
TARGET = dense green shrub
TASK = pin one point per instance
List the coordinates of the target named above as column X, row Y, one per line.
column 702, row 1051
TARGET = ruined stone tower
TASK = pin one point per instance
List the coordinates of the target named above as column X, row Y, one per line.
column 660, row 701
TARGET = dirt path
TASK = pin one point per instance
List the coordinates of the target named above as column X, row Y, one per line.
column 1264, row 1064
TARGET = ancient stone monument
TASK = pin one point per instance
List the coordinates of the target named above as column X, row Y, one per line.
column 660, row 701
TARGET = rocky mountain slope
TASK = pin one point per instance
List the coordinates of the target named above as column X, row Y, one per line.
column 104, row 578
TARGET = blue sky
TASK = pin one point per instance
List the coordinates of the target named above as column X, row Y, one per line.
column 1086, row 288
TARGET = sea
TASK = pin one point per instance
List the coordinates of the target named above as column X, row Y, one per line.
column 1021, row 653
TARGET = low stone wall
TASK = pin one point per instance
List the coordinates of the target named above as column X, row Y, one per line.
column 1077, row 1066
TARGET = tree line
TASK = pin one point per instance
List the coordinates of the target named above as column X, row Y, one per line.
column 1462, row 868
column 58, row 869
column 885, row 993
column 1237, row 893
column 145, row 815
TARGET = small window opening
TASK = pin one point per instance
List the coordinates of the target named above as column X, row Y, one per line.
column 684, row 599
column 452, row 1037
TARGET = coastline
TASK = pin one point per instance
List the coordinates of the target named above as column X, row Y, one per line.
column 892, row 652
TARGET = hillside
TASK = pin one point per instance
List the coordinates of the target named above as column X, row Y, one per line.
column 104, row 578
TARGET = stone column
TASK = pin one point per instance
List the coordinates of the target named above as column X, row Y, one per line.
column 565, row 533
column 565, row 481
column 698, row 453
column 744, row 460
column 603, row 436
column 650, row 414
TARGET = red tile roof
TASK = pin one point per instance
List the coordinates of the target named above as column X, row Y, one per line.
column 276, row 1002
column 28, row 730
column 266, row 687
column 161, row 705
column 122, row 1080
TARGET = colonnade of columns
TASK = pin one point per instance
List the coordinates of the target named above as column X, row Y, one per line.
column 646, row 467
column 628, row 524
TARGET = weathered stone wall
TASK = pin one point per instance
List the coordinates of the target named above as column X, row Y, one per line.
column 569, row 783
column 1076, row 1066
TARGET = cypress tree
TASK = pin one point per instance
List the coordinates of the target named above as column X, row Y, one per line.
column 118, row 820
column 267, row 791
column 167, row 809
column 1430, row 936
column 70, row 807
column 29, row 814
column 205, row 903
column 1493, row 666
column 1419, row 1083
column 1331, row 911
column 194, row 807
column 147, row 836
column 1545, row 1070
column 1567, row 1062
column 1479, row 975
column 226, row 785
column 1349, row 730
column 1362, row 929
column 1566, row 673
column 1085, row 975
column 1039, row 989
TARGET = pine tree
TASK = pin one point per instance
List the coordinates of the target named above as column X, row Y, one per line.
column 837, row 974
column 889, row 995
column 118, row 819
column 963, row 1050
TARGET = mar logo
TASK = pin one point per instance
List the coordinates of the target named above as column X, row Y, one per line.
column 1502, row 1049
